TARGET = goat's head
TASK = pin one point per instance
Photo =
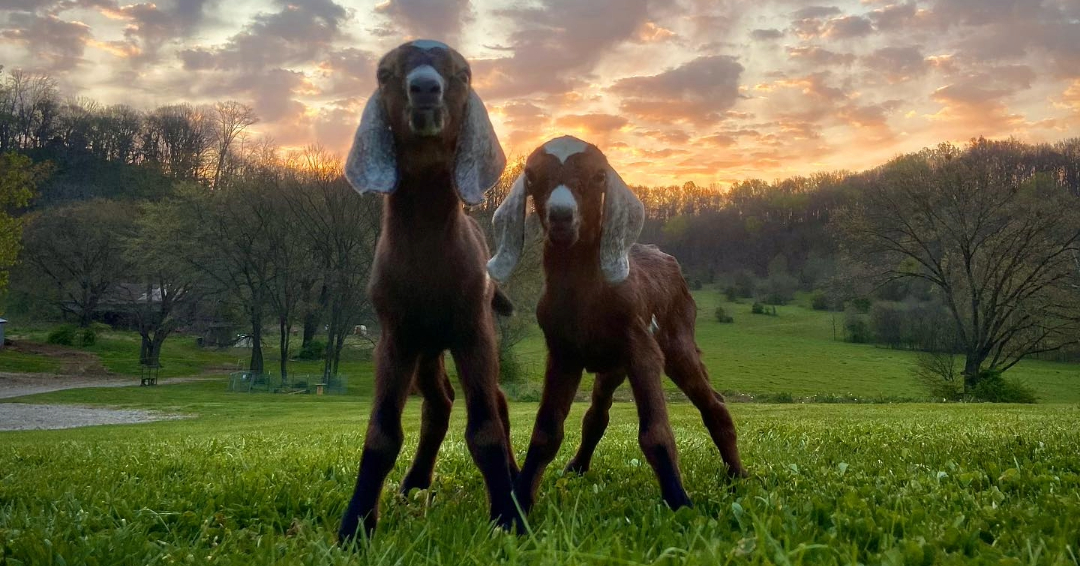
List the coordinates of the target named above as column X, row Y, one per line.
column 579, row 199
column 425, row 107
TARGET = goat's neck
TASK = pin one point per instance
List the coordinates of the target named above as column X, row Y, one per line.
column 424, row 197
column 573, row 270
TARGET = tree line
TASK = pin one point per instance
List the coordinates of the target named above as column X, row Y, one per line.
column 178, row 209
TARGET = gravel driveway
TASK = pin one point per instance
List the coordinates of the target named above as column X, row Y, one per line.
column 25, row 416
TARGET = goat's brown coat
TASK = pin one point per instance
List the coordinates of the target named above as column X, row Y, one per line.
column 431, row 293
column 607, row 328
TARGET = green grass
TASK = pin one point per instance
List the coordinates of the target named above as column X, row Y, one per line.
column 25, row 362
column 794, row 353
column 262, row 478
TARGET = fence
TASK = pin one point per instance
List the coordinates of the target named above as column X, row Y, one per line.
column 247, row 381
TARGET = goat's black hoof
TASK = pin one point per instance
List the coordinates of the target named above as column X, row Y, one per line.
column 348, row 533
column 679, row 501
column 511, row 523
column 737, row 473
column 574, row 467
column 411, row 483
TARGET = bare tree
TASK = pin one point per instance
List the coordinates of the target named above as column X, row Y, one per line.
column 993, row 237
column 232, row 119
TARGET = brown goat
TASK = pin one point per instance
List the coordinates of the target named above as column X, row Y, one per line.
column 609, row 306
column 426, row 141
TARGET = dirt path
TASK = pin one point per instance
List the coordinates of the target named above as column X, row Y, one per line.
column 20, row 384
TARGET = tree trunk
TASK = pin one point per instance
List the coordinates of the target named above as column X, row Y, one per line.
column 972, row 364
column 312, row 319
column 256, row 365
column 283, row 344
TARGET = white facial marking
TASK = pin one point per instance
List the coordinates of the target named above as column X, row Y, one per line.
column 425, row 71
column 561, row 198
column 653, row 326
column 429, row 44
column 564, row 147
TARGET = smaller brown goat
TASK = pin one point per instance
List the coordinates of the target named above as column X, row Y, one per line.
column 609, row 306
column 426, row 142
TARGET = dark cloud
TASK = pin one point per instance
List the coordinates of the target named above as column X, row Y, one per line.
column 848, row 27
column 894, row 16
column 348, row 72
column 557, row 44
column 816, row 12
column 818, row 56
column 56, row 45
column 592, row 123
column 698, row 91
column 898, row 64
column 766, row 34
column 433, row 19
column 297, row 34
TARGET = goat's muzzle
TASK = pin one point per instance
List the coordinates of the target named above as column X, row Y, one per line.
column 562, row 216
column 426, row 107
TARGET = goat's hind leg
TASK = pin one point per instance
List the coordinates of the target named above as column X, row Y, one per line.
column 435, row 419
column 394, row 371
column 596, row 420
column 684, row 367
column 654, row 433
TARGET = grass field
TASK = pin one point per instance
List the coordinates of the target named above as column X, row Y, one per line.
column 792, row 354
column 262, row 478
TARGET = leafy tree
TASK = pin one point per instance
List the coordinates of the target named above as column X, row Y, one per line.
column 996, row 239
column 77, row 252
column 19, row 178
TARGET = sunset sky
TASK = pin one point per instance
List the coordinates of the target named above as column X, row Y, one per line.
column 709, row 91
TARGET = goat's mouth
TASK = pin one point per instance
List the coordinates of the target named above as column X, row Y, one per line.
column 426, row 121
column 563, row 233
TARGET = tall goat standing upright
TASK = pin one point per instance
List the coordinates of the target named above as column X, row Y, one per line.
column 609, row 306
column 425, row 140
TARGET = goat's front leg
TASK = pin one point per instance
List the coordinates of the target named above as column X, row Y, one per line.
column 394, row 370
column 435, row 419
column 560, row 384
column 485, row 433
column 654, row 432
column 595, row 421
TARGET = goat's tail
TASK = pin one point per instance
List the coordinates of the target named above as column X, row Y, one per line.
column 501, row 303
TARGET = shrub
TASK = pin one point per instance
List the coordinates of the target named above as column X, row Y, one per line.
column 862, row 304
column 71, row 335
column 695, row 284
column 778, row 289
column 819, row 301
column 759, row 308
column 731, row 294
column 723, row 316
column 887, row 323
column 85, row 337
column 856, row 329
column 939, row 372
column 315, row 350
column 743, row 281
column 993, row 388
column 62, row 335
column 511, row 369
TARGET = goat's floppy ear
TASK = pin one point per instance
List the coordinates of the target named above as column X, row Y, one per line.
column 371, row 165
column 623, row 216
column 509, row 221
column 480, row 158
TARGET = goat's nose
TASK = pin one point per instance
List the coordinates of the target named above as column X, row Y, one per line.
column 425, row 85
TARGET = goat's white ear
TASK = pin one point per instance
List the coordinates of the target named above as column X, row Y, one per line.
column 623, row 217
column 480, row 159
column 509, row 221
column 371, row 165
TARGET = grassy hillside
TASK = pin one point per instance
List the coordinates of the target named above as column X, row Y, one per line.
column 793, row 353
column 260, row 479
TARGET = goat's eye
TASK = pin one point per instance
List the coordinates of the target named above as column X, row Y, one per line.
column 384, row 76
column 600, row 177
column 528, row 180
column 464, row 76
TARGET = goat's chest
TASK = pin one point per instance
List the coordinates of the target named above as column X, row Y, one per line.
column 589, row 331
